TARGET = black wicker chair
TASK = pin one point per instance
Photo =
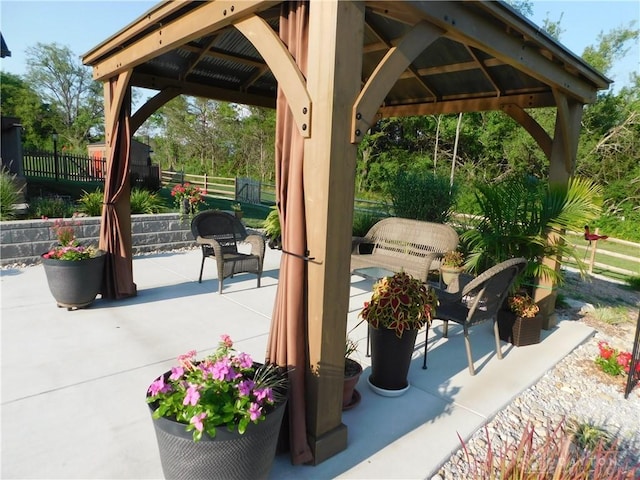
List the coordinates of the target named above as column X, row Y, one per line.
column 218, row 233
column 478, row 301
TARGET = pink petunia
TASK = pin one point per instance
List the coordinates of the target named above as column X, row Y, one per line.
column 221, row 369
column 245, row 387
column 159, row 387
column 196, row 421
column 226, row 339
column 192, row 396
column 263, row 393
column 255, row 412
column 244, row 360
column 176, row 373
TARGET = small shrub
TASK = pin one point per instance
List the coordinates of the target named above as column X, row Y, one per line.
column 634, row 283
column 272, row 228
column 611, row 315
column 8, row 195
column 144, row 201
column 51, row 207
column 588, row 436
column 91, row 203
column 422, row 196
column 363, row 221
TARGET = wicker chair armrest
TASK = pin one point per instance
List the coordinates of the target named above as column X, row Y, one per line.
column 257, row 245
column 212, row 243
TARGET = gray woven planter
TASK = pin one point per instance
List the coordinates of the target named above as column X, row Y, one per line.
column 75, row 283
column 227, row 456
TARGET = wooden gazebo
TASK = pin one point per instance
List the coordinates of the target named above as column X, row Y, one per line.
column 365, row 60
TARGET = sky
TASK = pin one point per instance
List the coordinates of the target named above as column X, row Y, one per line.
column 82, row 25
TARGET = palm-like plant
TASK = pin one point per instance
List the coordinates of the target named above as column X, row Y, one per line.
column 522, row 217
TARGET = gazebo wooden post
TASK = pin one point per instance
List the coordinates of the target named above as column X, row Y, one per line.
column 333, row 83
column 561, row 168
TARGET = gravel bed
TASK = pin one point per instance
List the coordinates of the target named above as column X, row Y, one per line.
column 574, row 390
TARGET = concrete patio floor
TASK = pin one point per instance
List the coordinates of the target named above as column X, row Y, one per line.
column 74, row 382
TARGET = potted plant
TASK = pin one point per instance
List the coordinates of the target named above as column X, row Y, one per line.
column 452, row 265
column 218, row 417
column 74, row 271
column 400, row 305
column 352, row 371
column 237, row 210
column 521, row 323
column 272, row 229
column 187, row 197
column 521, row 216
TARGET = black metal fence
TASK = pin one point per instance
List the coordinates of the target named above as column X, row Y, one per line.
column 63, row 166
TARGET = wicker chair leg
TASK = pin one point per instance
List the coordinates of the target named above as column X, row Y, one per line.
column 445, row 329
column 201, row 268
column 467, row 345
column 496, row 332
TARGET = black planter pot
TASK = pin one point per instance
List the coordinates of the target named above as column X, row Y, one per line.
column 228, row 455
column 518, row 330
column 390, row 360
column 74, row 283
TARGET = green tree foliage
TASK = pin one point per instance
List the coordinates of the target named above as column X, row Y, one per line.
column 422, row 196
column 66, row 86
column 221, row 139
column 20, row 100
column 610, row 47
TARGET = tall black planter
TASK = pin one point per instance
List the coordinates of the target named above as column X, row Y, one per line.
column 390, row 360
column 74, row 283
column 228, row 455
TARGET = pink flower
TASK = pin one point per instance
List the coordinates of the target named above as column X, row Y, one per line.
column 176, row 373
column 222, row 369
column 264, row 393
column 226, row 339
column 244, row 360
column 192, row 396
column 196, row 421
column 245, row 387
column 255, row 412
column 159, row 387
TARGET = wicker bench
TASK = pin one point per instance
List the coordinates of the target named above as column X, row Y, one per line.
column 401, row 244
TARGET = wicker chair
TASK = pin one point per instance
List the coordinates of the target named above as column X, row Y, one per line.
column 218, row 233
column 477, row 301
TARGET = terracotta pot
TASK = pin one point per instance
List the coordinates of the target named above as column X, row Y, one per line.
column 352, row 372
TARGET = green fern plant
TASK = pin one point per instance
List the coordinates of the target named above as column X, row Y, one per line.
column 90, row 203
column 146, row 202
column 8, row 195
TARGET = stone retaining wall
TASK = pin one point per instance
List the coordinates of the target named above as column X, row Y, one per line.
column 23, row 241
